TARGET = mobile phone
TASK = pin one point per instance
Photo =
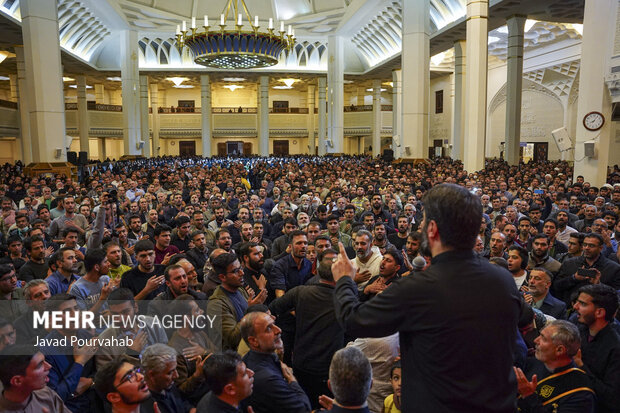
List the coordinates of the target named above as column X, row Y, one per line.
column 587, row 272
column 538, row 191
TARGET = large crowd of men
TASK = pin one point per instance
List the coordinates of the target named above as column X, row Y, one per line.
column 305, row 269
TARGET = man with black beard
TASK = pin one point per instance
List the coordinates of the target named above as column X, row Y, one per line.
column 539, row 255
column 253, row 260
column 380, row 235
column 416, row 307
column 412, row 247
column 380, row 214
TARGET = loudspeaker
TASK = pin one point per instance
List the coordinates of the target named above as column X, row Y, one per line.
column 562, row 139
column 588, row 149
column 388, row 155
column 72, row 157
column 83, row 158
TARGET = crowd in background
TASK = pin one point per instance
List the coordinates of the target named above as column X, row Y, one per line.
column 250, row 242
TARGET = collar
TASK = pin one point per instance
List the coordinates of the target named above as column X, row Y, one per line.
column 453, row 255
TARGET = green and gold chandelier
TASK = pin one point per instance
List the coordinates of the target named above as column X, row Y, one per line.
column 227, row 48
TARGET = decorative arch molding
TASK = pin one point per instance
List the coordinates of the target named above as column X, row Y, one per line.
column 528, row 85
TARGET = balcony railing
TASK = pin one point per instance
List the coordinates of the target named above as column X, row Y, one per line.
column 175, row 109
column 95, row 106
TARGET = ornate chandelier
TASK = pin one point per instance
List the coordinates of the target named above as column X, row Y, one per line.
column 235, row 49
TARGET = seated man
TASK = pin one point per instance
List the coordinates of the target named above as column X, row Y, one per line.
column 121, row 384
column 275, row 387
column 230, row 382
column 36, row 292
column 558, row 383
column 24, row 374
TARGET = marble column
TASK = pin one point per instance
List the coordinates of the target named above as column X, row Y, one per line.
column 322, row 115
column 311, row 135
column 205, row 115
column 43, row 80
column 376, row 117
column 101, row 148
column 100, row 93
column 335, row 94
column 476, row 79
column 131, row 91
column 397, row 113
column 596, row 46
column 25, row 142
column 361, row 95
column 458, row 120
column 416, row 77
column 155, row 118
column 82, row 110
column 263, row 116
column 514, row 87
column 145, row 136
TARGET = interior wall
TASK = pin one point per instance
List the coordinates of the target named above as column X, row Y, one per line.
column 440, row 124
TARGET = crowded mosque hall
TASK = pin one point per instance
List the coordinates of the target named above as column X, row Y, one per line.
column 265, row 206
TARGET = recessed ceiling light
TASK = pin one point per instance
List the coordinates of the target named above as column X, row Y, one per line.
column 233, row 87
column 233, row 79
column 5, row 78
column 75, row 86
column 347, row 81
column 289, row 82
column 183, row 86
column 371, row 89
column 282, row 87
column 177, row 80
column 67, row 79
column 116, row 79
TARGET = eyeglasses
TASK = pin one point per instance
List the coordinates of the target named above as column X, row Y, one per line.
column 237, row 270
column 130, row 376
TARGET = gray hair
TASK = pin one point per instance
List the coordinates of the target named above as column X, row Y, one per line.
column 350, row 377
column 246, row 325
column 156, row 356
column 30, row 285
column 566, row 334
column 365, row 232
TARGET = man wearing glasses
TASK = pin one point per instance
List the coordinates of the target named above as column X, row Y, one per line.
column 123, row 385
column 12, row 304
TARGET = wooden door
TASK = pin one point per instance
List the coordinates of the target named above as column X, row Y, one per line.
column 221, row 149
column 280, row 147
column 187, row 148
column 541, row 151
column 247, row 148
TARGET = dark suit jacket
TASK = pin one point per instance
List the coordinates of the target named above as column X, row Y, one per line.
column 553, row 307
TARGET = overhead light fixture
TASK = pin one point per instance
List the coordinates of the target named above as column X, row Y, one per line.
column 183, row 86
column 177, row 80
column 289, row 82
column 233, row 87
column 371, row 89
column 68, row 79
column 347, row 81
column 115, row 79
column 390, row 84
column 75, row 86
column 233, row 79
column 3, row 55
column 438, row 58
column 282, row 87
column 235, row 48
column 5, row 78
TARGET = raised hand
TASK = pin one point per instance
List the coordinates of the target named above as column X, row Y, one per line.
column 343, row 267
column 525, row 387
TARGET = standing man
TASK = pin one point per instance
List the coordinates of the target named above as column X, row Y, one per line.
column 69, row 220
column 480, row 339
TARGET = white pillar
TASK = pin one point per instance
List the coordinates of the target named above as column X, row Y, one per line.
column 100, row 93
column 311, row 135
column 361, row 95
column 22, row 102
column 101, row 148
column 145, row 136
column 82, row 108
column 599, row 17
column 376, row 117
column 263, row 116
column 43, row 82
column 416, row 77
column 155, row 118
column 397, row 113
column 335, row 94
column 322, row 114
column 458, row 125
column 514, row 86
column 205, row 115
column 476, row 80
column 131, row 91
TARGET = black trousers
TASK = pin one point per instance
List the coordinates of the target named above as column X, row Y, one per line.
column 314, row 385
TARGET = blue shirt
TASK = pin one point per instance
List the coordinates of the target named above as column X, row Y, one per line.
column 286, row 275
column 238, row 301
column 58, row 284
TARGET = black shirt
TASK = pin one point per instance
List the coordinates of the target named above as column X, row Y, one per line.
column 135, row 280
column 457, row 338
column 211, row 404
column 31, row 270
column 317, row 335
column 601, row 360
column 397, row 241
